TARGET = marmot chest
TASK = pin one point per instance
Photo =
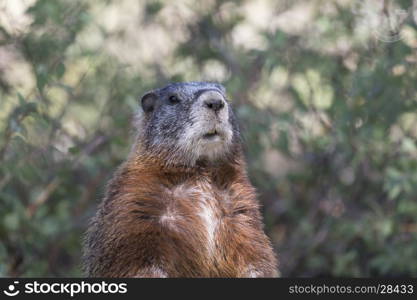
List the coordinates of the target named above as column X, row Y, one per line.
column 208, row 231
column 199, row 211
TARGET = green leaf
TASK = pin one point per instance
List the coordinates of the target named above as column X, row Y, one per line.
column 22, row 100
column 60, row 70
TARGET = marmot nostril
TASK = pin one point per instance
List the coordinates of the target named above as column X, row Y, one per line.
column 214, row 104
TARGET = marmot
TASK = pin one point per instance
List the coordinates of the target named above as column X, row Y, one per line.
column 181, row 205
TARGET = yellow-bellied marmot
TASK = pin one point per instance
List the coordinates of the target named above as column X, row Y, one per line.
column 181, row 205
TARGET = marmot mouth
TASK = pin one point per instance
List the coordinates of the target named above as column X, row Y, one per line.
column 210, row 135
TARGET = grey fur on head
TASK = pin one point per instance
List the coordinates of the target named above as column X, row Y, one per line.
column 187, row 122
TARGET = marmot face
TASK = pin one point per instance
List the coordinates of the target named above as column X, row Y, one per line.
column 188, row 122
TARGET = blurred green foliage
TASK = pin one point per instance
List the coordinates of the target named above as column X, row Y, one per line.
column 328, row 111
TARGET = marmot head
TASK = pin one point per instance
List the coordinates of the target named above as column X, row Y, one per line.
column 184, row 123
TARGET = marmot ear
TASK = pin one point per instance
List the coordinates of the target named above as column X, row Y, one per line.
column 221, row 88
column 148, row 102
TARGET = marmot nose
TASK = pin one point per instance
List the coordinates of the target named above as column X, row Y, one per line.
column 214, row 104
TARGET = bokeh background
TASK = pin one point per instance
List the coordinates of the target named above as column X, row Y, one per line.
column 325, row 90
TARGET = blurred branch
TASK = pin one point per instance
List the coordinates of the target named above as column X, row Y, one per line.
column 5, row 180
column 43, row 196
column 56, row 181
column 18, row 115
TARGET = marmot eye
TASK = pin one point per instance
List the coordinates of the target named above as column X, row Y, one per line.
column 173, row 99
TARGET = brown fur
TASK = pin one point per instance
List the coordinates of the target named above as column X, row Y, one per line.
column 150, row 223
